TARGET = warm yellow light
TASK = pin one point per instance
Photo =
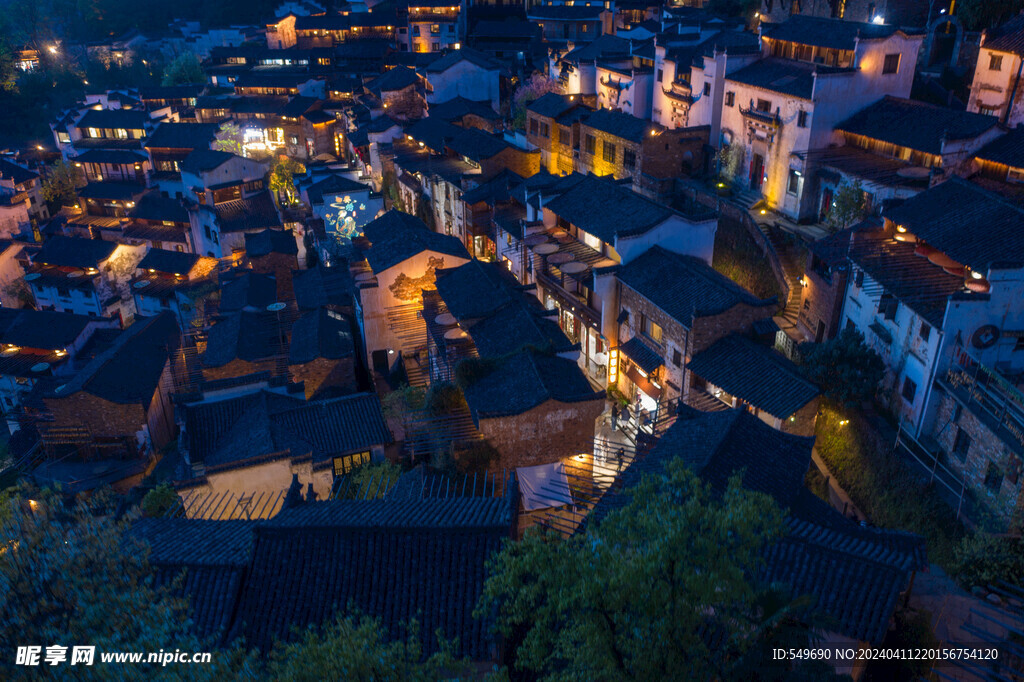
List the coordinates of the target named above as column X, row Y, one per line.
column 40, row 148
column 763, row 212
column 52, row 49
column 976, row 275
column 900, row 228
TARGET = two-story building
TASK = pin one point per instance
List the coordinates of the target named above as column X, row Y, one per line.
column 814, row 74
column 465, row 73
column 997, row 88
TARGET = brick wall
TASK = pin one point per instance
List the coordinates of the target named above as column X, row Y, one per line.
column 738, row 319
column 986, row 448
column 550, row 432
column 821, row 301
column 318, row 374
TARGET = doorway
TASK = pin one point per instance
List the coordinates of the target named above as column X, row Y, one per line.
column 756, row 172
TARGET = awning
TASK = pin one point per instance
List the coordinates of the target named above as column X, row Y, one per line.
column 544, row 486
column 643, row 383
column 643, row 355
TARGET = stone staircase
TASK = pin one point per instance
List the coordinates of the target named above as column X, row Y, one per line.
column 792, row 262
column 747, row 199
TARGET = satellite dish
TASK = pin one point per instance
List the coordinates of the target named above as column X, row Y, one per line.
column 275, row 307
column 76, row 273
column 40, row 367
column 141, row 284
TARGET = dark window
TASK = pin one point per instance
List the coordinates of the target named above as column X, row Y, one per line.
column 926, row 330
column 591, row 144
column 801, row 119
column 661, row 75
column 730, row 99
column 995, row 62
column 533, row 126
column 851, row 326
column 961, row 444
column 629, row 158
column 545, row 131
column 891, row 64
column 909, row 389
column 1019, row 344
column 793, row 186
column 859, row 279
column 707, row 88
column 764, row 105
column 608, row 151
column 887, row 306
column 564, row 136
column 677, row 358
column 993, row 477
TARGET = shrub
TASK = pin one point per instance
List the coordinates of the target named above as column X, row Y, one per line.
column 159, row 500
column 984, row 559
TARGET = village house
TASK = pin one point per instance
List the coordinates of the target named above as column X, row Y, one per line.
column 465, row 73
column 156, row 221
column 897, row 147
column 36, row 345
column 84, row 276
column 400, row 262
column 430, row 26
column 529, row 398
column 104, row 425
column 588, row 224
column 260, row 328
column 400, row 93
column 999, row 165
column 15, row 260
column 168, row 146
column 943, row 269
column 256, row 436
column 814, row 74
column 576, row 67
column 578, row 22
column 343, row 204
column 997, row 89
column 823, row 284
column 176, row 282
column 467, row 113
column 15, row 180
column 666, row 309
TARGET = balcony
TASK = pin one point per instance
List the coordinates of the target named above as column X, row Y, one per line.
column 988, row 395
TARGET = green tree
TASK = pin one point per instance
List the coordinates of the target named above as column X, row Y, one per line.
column 184, row 70
column 639, row 596
column 848, row 206
column 230, row 139
column 845, row 368
column 159, row 500
column 370, row 481
column 729, row 159
column 70, row 575
column 60, row 184
column 977, row 15
column 282, row 179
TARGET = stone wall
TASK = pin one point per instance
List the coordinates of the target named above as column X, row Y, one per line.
column 986, row 449
column 550, row 432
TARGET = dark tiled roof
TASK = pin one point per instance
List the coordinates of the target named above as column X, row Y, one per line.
column 257, row 212
column 182, row 136
column 15, row 172
column 152, row 206
column 43, row 329
column 116, row 191
column 477, row 145
column 755, row 374
column 394, row 79
column 1007, row 38
column 332, row 185
column 455, row 109
column 551, row 105
column 130, row 119
column 321, row 334
column 525, row 380
column 1007, row 150
column 297, row 105
column 213, row 555
column 117, row 157
column 834, row 33
column 202, row 160
column 249, row 335
column 397, row 560
column 171, row 262
column 684, row 287
column 474, row 57
column 397, row 236
column 499, row 188
column 620, row 124
column 144, row 347
column 606, row 47
column 642, row 354
column 968, row 224
column 433, row 132
column 248, row 289
column 350, row 423
column 209, row 425
column 74, row 252
column 565, row 13
column 319, row 286
column 784, row 76
column 270, row 241
column 916, row 125
column 606, row 209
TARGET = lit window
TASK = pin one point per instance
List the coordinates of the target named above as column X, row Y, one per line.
column 344, row 465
